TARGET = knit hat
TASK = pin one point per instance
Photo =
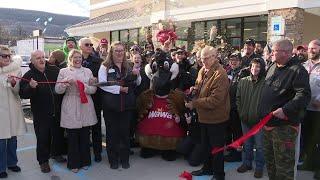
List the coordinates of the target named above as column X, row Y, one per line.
column 71, row 38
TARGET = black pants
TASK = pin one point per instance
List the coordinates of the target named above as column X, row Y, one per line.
column 213, row 136
column 50, row 137
column 59, row 145
column 97, row 134
column 311, row 139
column 234, row 130
column 78, row 148
column 118, row 132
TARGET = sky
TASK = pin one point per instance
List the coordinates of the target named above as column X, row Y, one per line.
column 68, row 7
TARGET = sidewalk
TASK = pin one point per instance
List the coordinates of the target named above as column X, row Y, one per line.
column 141, row 169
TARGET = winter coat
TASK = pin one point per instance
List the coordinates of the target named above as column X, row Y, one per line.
column 248, row 98
column 213, row 101
column 45, row 103
column 314, row 75
column 74, row 114
column 286, row 87
column 12, row 120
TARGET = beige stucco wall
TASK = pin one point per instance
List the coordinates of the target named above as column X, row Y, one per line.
column 192, row 3
column 102, row 35
column 96, row 1
column 117, row 7
column 311, row 27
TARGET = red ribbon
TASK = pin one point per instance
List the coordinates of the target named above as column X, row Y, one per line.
column 236, row 144
column 185, row 176
column 39, row 82
column 83, row 96
column 80, row 86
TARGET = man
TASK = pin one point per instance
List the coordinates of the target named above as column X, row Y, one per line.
column 302, row 53
column 248, row 98
column 45, row 107
column 69, row 44
column 311, row 123
column 103, row 49
column 248, row 50
column 213, row 105
column 234, row 128
column 286, row 94
column 93, row 63
column 258, row 50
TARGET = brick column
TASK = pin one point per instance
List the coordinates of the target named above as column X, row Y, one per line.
column 294, row 19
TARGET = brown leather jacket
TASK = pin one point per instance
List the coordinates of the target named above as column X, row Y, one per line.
column 213, row 101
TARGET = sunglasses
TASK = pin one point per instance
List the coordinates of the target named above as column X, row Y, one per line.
column 5, row 56
column 88, row 44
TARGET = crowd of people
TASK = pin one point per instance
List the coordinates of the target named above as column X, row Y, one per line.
column 229, row 92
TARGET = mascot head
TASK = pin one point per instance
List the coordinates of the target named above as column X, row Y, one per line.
column 161, row 71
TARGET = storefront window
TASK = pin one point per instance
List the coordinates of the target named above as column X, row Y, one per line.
column 124, row 36
column 133, row 36
column 256, row 28
column 199, row 30
column 208, row 28
column 142, row 34
column 231, row 28
column 114, row 36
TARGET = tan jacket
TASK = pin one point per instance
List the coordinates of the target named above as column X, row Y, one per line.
column 212, row 103
column 74, row 114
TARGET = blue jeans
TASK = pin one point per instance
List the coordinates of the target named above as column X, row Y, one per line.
column 8, row 153
column 247, row 153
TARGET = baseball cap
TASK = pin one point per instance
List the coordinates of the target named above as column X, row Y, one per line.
column 302, row 47
column 103, row 41
column 250, row 41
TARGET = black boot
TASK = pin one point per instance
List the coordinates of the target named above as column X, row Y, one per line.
column 147, row 153
column 169, row 155
column 234, row 156
column 217, row 177
column 202, row 172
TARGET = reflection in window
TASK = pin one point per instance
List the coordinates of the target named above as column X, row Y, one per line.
column 142, row 34
column 114, row 36
column 182, row 33
column 199, row 30
column 133, row 36
column 256, row 28
column 124, row 36
column 209, row 25
column 231, row 28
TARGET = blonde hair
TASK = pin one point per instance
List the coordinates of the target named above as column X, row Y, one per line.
column 109, row 61
column 71, row 54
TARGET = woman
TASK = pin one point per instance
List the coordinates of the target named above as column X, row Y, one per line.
column 12, row 121
column 77, row 115
column 118, row 102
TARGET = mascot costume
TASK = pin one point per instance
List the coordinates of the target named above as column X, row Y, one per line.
column 160, row 108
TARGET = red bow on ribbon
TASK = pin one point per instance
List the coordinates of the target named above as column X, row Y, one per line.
column 83, row 96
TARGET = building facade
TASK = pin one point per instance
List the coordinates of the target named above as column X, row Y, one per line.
column 263, row 20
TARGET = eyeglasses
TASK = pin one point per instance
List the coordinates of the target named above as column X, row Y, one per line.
column 5, row 56
column 88, row 44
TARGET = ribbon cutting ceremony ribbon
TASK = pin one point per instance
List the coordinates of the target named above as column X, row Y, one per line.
column 236, row 144
column 40, row 82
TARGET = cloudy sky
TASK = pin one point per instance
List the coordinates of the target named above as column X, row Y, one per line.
column 69, row 7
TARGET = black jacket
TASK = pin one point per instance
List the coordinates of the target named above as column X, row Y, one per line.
column 234, row 80
column 94, row 63
column 44, row 101
column 286, row 87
